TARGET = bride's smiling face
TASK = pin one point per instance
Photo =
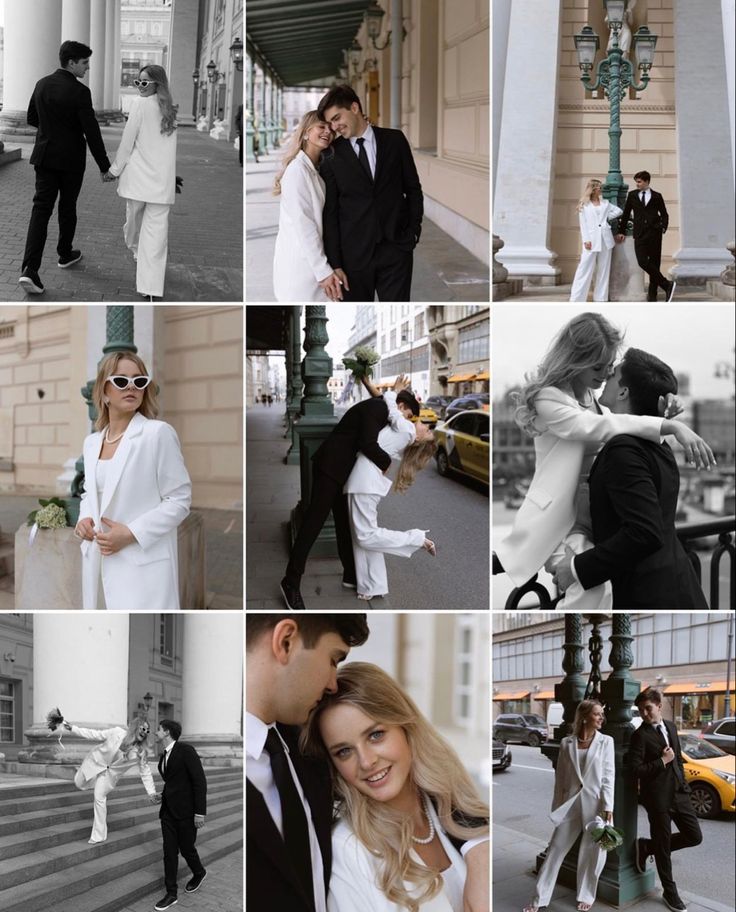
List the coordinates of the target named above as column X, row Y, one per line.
column 594, row 377
column 319, row 135
column 372, row 757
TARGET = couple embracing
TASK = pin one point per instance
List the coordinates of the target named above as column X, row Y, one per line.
column 351, row 208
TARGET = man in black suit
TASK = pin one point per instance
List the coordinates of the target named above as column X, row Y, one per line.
column 650, row 223
column 655, row 760
column 373, row 209
column 183, row 809
column 61, row 108
column 356, row 432
column 634, row 485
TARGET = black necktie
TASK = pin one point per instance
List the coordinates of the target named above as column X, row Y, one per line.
column 163, row 765
column 363, row 157
column 643, row 197
column 296, row 833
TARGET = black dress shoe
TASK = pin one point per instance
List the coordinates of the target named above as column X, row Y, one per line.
column 641, row 856
column 292, row 596
column 31, row 282
column 70, row 259
column 166, row 903
column 193, row 885
column 673, row 901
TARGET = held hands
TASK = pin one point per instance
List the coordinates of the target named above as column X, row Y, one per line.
column 199, row 821
column 563, row 577
column 668, row 755
column 620, row 238
column 587, row 244
column 117, row 538
column 107, row 177
column 155, row 798
column 333, row 285
column 85, row 529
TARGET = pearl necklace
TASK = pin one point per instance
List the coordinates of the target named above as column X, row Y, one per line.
column 427, row 839
column 114, row 439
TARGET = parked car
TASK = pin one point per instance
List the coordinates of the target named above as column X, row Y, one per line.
column 471, row 401
column 501, row 754
column 711, row 774
column 722, row 733
column 463, row 445
column 527, row 728
column 439, row 404
column 427, row 415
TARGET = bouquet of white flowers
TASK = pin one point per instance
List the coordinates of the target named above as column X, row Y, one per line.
column 607, row 837
column 361, row 364
column 51, row 515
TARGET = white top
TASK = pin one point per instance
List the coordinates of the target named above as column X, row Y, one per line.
column 594, row 224
column 101, row 475
column 146, row 159
column 582, row 754
column 369, row 145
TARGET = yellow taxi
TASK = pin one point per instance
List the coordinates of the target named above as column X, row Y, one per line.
column 711, row 775
column 427, row 415
column 463, row 444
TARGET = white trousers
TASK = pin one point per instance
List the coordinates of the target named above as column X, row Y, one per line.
column 105, row 782
column 146, row 233
column 591, row 859
column 589, row 260
column 370, row 543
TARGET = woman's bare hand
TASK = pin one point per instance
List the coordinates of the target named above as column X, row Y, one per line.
column 85, row 529
column 117, row 538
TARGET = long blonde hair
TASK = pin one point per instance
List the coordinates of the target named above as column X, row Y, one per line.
column 295, row 145
column 165, row 103
column 584, row 341
column 413, row 460
column 588, row 192
column 129, row 739
column 583, row 710
column 435, row 769
column 108, row 367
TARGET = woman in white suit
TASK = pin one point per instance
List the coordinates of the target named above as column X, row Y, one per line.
column 414, row 445
column 137, row 492
column 558, row 409
column 300, row 268
column 146, row 164
column 595, row 214
column 584, row 781
column 408, row 810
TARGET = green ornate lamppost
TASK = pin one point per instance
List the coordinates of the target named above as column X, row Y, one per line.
column 615, row 73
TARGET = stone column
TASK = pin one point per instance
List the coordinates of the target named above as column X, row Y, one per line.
column 212, row 686
column 98, row 63
column 503, row 287
column 80, row 664
column 707, row 213
column 75, row 21
column 112, row 77
column 183, row 55
column 265, row 115
column 32, row 37
column 728, row 15
column 117, row 58
column 294, row 383
column 522, row 211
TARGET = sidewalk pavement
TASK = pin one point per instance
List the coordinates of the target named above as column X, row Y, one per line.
column 683, row 294
column 223, row 550
column 514, row 879
column 205, row 230
column 443, row 269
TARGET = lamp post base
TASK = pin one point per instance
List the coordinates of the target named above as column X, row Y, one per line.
column 627, row 280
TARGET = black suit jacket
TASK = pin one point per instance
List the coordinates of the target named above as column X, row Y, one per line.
column 270, row 879
column 356, row 432
column 657, row 782
column 634, row 484
column 651, row 221
column 360, row 212
column 185, row 785
column 61, row 108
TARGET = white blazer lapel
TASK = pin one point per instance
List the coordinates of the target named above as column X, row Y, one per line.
column 91, row 458
column 117, row 463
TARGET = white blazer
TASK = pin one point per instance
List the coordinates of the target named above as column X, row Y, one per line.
column 548, row 511
column 299, row 262
column 101, row 757
column 394, row 438
column 594, row 785
column 148, row 489
column 354, row 879
column 146, row 159
column 594, row 224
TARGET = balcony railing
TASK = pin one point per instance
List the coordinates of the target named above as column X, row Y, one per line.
column 688, row 533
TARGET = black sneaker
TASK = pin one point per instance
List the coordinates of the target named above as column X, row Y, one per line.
column 671, row 290
column 31, row 282
column 195, row 882
column 673, row 901
column 70, row 259
column 292, row 596
column 641, row 856
column 166, row 903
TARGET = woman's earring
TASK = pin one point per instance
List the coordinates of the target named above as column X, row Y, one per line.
column 106, row 400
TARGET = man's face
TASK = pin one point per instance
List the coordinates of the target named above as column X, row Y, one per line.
column 610, row 395
column 651, row 712
column 160, row 734
column 308, row 674
column 641, row 184
column 405, row 410
column 78, row 68
column 347, row 122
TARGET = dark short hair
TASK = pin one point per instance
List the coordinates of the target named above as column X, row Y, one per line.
column 647, row 378
column 649, row 695
column 73, row 50
column 643, row 175
column 173, row 728
column 409, row 400
column 341, row 96
column 351, row 628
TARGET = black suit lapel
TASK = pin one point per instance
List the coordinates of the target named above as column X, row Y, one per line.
column 347, row 154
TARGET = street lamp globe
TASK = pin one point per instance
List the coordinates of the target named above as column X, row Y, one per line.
column 236, row 53
column 354, row 52
column 373, row 17
column 615, row 10
column 586, row 45
column 195, row 75
column 211, row 70
column 645, row 44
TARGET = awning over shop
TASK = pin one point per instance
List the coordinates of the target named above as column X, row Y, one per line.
column 692, row 687
column 514, row 695
column 460, row 378
column 483, row 375
column 545, row 695
column 303, row 40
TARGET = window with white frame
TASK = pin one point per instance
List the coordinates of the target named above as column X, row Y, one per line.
column 8, row 697
column 464, row 671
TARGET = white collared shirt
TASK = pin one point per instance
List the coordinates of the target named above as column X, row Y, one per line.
column 647, row 195
column 369, row 145
column 259, row 773
column 663, row 729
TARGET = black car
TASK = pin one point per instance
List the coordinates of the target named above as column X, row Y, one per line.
column 722, row 733
column 527, row 728
column 471, row 401
column 439, row 404
column 501, row 755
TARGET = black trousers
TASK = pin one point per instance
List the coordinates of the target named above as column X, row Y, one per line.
column 179, row 836
column 326, row 495
column 389, row 274
column 662, row 843
column 648, row 251
column 50, row 184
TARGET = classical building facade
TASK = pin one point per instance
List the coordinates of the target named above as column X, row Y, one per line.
column 460, row 341
column 144, row 38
